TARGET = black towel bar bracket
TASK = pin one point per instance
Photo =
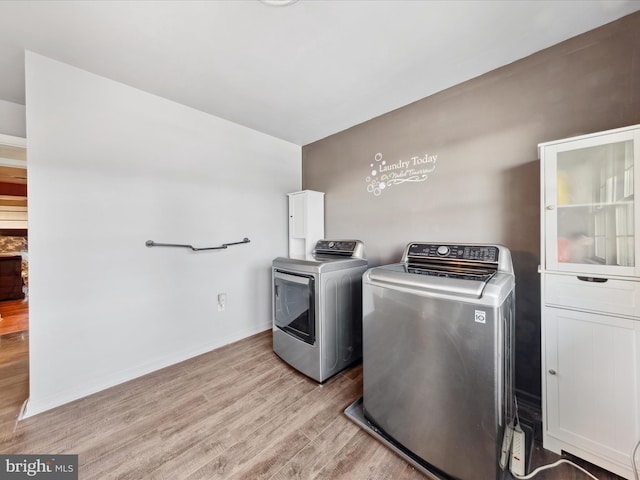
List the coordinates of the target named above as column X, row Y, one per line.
column 151, row 243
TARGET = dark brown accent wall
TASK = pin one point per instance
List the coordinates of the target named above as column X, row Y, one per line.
column 485, row 186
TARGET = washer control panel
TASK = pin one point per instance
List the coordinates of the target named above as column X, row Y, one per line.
column 477, row 253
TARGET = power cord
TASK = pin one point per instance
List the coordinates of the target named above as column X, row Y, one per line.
column 552, row 465
column 555, row 464
column 559, row 462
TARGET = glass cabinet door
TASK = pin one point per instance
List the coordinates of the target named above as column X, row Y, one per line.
column 590, row 213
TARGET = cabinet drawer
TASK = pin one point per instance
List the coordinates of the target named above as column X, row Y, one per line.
column 618, row 297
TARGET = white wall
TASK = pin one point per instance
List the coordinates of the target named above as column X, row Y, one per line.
column 12, row 119
column 109, row 168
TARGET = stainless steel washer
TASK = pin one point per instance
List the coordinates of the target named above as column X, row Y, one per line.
column 437, row 359
column 317, row 308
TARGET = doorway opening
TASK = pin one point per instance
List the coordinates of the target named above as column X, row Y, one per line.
column 14, row 280
column 14, row 258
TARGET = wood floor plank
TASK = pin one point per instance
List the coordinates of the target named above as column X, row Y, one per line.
column 387, row 465
column 237, row 423
column 260, row 438
column 134, row 456
column 352, row 461
column 308, row 462
column 119, row 400
column 286, row 434
column 271, row 459
column 230, row 354
column 117, row 424
column 14, row 383
column 325, row 412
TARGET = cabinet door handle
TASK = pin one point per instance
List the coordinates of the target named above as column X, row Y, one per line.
column 593, row 279
column 550, row 207
column 552, row 371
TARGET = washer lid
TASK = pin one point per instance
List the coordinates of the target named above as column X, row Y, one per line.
column 402, row 275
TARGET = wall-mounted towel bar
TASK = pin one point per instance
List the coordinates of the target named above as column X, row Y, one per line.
column 151, row 243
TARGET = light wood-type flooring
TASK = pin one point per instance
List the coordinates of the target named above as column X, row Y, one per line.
column 237, row 412
column 15, row 316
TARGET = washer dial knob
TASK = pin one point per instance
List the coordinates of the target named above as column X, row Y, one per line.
column 443, row 250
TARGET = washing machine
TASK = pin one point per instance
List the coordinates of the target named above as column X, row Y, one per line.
column 317, row 308
column 437, row 357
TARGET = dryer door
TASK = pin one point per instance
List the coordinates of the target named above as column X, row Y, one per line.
column 294, row 305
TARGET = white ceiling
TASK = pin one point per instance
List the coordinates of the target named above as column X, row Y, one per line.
column 301, row 72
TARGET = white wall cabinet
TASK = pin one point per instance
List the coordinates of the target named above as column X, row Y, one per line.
column 306, row 221
column 591, row 297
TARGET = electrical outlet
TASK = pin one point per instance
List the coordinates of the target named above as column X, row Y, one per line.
column 222, row 301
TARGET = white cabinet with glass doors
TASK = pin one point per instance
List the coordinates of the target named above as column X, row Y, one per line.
column 590, row 274
column 588, row 200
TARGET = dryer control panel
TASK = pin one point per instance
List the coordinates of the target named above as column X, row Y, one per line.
column 345, row 248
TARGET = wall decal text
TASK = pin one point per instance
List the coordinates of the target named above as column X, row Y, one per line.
column 386, row 174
